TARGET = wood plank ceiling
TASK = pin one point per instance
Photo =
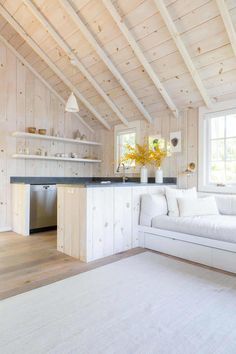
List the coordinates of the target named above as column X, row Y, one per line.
column 131, row 59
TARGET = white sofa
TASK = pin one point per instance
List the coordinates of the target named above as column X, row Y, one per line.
column 208, row 239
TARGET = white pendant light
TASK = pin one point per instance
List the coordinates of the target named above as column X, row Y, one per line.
column 71, row 104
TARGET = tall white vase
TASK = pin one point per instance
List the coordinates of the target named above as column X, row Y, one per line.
column 144, row 174
column 159, row 175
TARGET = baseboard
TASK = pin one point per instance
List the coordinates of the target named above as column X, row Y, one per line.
column 5, row 229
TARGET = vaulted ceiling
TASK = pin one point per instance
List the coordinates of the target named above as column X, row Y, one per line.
column 127, row 60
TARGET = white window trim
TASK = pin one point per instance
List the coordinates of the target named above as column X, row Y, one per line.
column 202, row 185
column 135, row 125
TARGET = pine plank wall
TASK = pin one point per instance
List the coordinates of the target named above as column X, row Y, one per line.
column 174, row 166
column 25, row 101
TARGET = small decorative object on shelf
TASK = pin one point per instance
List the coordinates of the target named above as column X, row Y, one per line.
column 26, row 150
column 31, row 130
column 42, row 131
column 140, row 154
column 39, row 152
column 158, row 153
column 23, row 150
column 74, row 155
column 55, row 133
column 83, row 137
column 77, row 135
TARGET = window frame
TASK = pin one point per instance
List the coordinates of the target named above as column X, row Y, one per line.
column 204, row 185
column 132, row 127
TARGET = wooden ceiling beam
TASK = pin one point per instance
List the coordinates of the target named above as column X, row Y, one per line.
column 90, row 38
column 182, row 50
column 138, row 52
column 224, row 12
column 76, row 62
column 50, row 88
column 52, row 66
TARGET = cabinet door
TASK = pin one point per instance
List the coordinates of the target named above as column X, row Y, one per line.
column 137, row 192
column 122, row 219
column 21, row 208
column 102, row 222
column 69, row 235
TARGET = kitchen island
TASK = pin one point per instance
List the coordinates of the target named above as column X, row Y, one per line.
column 95, row 221
column 96, row 217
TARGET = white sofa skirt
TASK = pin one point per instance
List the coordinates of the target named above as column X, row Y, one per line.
column 214, row 253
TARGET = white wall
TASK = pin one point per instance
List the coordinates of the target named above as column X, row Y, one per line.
column 24, row 102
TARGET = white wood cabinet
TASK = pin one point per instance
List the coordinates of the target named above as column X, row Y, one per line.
column 21, row 208
column 97, row 222
column 72, row 221
column 122, row 219
column 100, row 218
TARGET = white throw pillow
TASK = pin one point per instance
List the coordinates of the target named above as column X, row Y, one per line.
column 171, row 196
column 152, row 205
column 226, row 204
column 197, row 207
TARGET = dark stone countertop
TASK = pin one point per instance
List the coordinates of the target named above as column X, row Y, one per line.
column 91, row 181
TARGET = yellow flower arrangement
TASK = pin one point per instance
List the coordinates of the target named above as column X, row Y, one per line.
column 158, row 154
column 140, row 154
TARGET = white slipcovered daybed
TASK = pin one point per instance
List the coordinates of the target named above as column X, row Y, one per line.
column 206, row 239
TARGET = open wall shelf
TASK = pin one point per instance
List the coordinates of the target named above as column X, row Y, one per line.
column 54, row 138
column 53, row 158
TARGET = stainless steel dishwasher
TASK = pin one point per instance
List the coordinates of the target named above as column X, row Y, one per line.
column 43, row 207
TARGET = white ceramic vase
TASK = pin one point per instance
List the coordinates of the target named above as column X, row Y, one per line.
column 159, row 175
column 144, row 174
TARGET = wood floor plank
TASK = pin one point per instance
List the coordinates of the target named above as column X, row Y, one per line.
column 30, row 262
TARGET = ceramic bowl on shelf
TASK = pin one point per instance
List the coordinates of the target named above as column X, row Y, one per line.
column 31, row 130
column 42, row 131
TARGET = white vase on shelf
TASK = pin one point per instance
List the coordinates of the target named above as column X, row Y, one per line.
column 159, row 175
column 143, row 174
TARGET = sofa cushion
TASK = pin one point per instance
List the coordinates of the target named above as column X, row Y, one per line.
column 197, row 206
column 219, row 227
column 226, row 204
column 152, row 205
column 171, row 196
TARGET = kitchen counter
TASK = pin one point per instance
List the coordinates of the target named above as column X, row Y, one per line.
column 98, row 219
column 91, row 182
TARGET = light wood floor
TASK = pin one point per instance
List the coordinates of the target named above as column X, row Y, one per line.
column 30, row 262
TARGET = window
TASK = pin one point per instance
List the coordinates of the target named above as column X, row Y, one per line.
column 122, row 136
column 123, row 139
column 217, row 144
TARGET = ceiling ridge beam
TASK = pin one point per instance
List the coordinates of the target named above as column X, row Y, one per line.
column 102, row 54
column 228, row 23
column 62, row 43
column 52, row 66
column 50, row 88
column 183, row 51
column 143, row 60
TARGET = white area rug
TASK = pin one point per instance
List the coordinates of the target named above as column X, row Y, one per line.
column 144, row 304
